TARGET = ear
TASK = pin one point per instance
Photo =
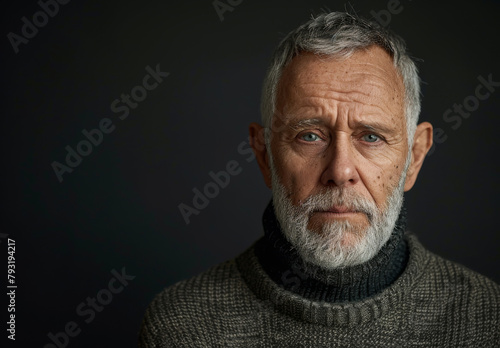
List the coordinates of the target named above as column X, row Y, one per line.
column 258, row 143
column 422, row 142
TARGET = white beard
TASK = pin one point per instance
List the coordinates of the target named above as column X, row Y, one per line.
column 328, row 248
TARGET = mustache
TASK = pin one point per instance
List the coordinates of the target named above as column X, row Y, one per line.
column 343, row 197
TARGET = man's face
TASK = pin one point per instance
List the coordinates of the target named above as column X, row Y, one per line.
column 339, row 147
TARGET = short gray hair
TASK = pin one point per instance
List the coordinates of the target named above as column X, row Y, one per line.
column 339, row 35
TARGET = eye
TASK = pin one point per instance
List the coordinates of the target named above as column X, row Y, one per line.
column 310, row 137
column 371, row 138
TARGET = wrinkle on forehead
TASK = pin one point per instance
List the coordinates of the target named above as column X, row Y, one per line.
column 367, row 78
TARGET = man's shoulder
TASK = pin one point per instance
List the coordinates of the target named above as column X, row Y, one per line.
column 190, row 309
column 203, row 287
column 461, row 279
column 436, row 272
column 447, row 288
column 216, row 284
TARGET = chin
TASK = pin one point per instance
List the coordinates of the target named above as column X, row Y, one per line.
column 343, row 232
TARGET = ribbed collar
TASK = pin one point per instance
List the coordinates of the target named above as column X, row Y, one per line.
column 284, row 266
column 345, row 314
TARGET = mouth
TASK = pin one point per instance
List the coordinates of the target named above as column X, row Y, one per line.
column 337, row 211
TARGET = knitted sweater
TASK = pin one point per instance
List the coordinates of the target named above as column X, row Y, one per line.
column 433, row 303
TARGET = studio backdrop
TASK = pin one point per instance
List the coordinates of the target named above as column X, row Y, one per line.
column 118, row 115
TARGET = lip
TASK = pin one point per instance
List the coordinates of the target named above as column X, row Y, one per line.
column 338, row 210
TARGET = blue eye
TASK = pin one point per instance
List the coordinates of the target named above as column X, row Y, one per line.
column 311, row 137
column 370, row 138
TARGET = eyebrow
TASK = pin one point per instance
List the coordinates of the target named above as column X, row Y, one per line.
column 377, row 127
column 371, row 126
column 306, row 123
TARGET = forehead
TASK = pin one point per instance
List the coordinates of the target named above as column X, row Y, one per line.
column 367, row 83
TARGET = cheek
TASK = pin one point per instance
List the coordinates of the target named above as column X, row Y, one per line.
column 378, row 187
column 299, row 175
column 382, row 184
column 381, row 174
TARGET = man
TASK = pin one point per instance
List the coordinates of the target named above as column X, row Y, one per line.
column 335, row 267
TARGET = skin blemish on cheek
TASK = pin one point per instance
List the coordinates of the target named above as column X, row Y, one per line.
column 378, row 177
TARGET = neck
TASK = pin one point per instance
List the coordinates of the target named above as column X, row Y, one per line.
column 282, row 263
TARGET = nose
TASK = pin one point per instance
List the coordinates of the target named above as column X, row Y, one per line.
column 340, row 163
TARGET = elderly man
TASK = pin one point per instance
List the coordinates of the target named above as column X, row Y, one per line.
column 335, row 267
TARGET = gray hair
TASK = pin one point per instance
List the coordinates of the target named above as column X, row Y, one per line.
column 339, row 35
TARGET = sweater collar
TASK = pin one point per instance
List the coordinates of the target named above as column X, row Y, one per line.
column 283, row 265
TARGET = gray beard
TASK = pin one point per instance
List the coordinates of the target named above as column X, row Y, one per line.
column 327, row 248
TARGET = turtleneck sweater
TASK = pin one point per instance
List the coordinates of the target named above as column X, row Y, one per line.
column 285, row 267
column 426, row 301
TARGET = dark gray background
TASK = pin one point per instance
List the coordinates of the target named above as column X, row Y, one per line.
column 119, row 207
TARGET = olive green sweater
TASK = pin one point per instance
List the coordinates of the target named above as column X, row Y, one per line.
column 433, row 303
